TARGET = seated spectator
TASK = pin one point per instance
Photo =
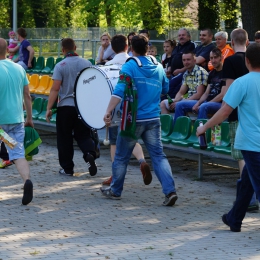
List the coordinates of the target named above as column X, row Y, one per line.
column 152, row 50
column 168, row 47
column 129, row 38
column 221, row 42
column 176, row 69
column 257, row 37
column 194, row 81
column 26, row 51
column 105, row 51
column 210, row 102
column 202, row 51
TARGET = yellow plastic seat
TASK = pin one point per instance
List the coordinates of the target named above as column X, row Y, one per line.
column 43, row 85
column 47, row 91
column 34, row 82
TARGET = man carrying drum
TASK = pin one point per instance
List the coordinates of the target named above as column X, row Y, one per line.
column 67, row 122
column 120, row 47
column 141, row 82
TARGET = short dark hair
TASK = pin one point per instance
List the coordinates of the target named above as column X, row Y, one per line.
column 145, row 31
column 217, row 52
column 131, row 34
column 189, row 52
column 68, row 44
column 253, row 54
column 210, row 33
column 22, row 32
column 119, row 43
column 257, row 35
column 140, row 44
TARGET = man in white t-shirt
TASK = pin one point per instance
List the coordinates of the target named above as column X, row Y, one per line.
column 120, row 46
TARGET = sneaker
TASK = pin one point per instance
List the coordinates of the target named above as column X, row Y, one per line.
column 253, row 207
column 89, row 159
column 170, row 199
column 5, row 164
column 107, row 192
column 107, row 182
column 147, row 176
column 27, row 192
column 62, row 172
column 224, row 219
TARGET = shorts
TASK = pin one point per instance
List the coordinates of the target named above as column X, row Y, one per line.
column 16, row 131
column 167, row 105
column 22, row 64
column 113, row 133
column 235, row 153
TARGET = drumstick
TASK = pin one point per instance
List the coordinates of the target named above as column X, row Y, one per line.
column 106, row 141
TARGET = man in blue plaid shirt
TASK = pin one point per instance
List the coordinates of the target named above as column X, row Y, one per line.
column 194, row 83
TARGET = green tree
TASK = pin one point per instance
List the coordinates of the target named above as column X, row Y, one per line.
column 230, row 13
column 208, row 14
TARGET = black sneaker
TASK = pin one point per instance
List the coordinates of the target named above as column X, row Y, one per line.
column 224, row 219
column 107, row 192
column 170, row 199
column 92, row 168
column 62, row 172
column 27, row 192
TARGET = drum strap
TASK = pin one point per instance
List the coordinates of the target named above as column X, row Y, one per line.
column 139, row 63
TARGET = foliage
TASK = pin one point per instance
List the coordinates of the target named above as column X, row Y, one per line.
column 208, row 14
column 229, row 12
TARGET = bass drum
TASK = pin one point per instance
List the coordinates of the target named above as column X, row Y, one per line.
column 92, row 92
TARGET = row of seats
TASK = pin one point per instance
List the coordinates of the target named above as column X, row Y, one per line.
column 40, row 84
column 39, row 108
column 40, row 67
column 184, row 134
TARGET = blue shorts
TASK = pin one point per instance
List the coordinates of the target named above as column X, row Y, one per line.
column 16, row 131
column 113, row 132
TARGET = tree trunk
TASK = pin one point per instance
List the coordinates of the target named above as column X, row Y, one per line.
column 250, row 16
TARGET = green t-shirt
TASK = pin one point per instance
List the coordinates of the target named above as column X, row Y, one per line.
column 12, row 81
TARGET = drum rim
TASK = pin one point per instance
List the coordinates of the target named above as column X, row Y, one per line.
column 75, row 99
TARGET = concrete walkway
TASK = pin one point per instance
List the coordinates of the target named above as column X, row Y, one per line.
column 69, row 219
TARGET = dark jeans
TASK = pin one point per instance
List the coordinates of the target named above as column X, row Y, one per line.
column 69, row 126
column 174, row 86
column 3, row 152
column 250, row 182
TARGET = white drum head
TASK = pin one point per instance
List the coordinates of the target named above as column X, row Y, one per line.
column 93, row 91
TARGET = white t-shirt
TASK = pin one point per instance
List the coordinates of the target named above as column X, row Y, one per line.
column 119, row 59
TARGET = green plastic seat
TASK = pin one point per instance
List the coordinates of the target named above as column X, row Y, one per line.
column 222, row 150
column 49, row 66
column 33, row 65
column 56, row 61
column 181, row 130
column 42, row 115
column 92, row 61
column 53, row 118
column 37, row 108
column 40, row 63
column 166, row 125
column 193, row 138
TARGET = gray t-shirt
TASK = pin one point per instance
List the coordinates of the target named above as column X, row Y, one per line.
column 67, row 71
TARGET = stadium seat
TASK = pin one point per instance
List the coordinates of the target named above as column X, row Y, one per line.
column 34, row 82
column 56, row 61
column 181, row 130
column 193, row 138
column 33, row 65
column 166, row 125
column 47, row 91
column 49, row 66
column 40, row 63
column 92, row 61
column 37, row 108
column 43, row 85
column 42, row 115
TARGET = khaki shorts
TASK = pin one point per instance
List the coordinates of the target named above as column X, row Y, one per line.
column 236, row 154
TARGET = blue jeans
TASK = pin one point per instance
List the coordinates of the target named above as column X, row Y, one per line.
column 150, row 132
column 183, row 107
column 208, row 108
column 250, row 182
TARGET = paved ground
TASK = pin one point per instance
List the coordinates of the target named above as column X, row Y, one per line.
column 69, row 219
